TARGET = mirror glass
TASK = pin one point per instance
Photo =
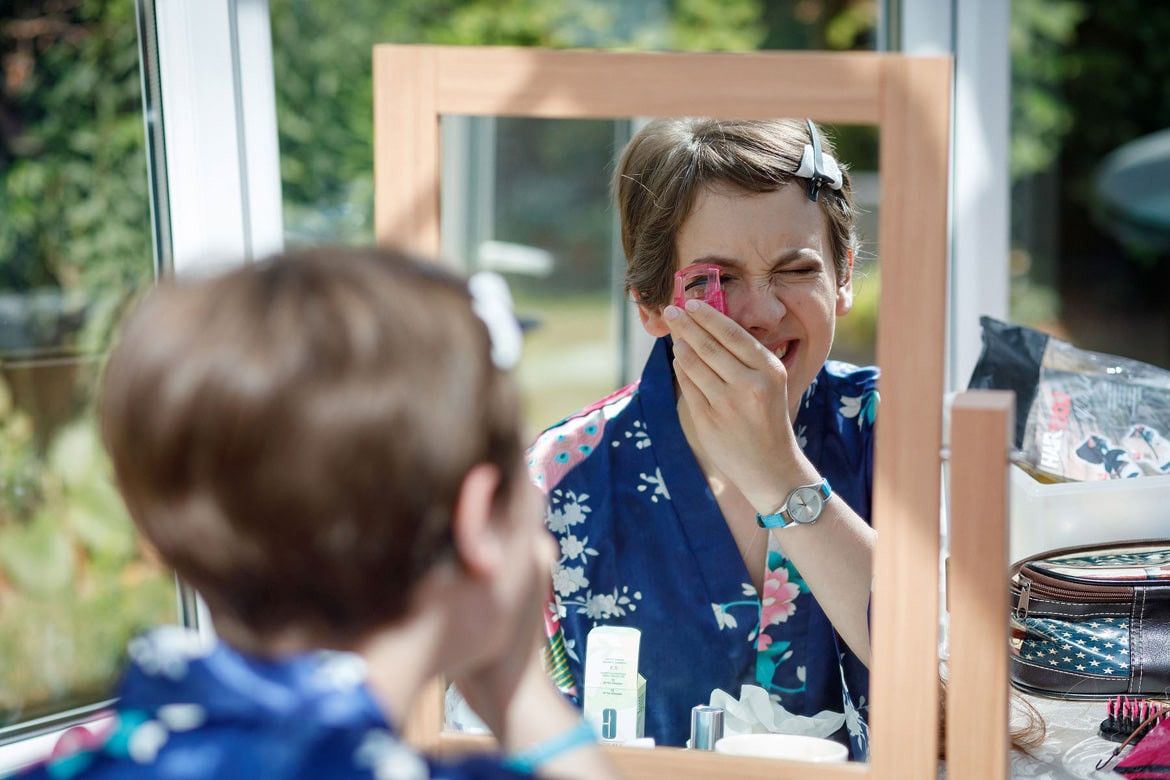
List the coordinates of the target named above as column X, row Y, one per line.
column 530, row 198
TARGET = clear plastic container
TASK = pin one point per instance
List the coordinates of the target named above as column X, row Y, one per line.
column 1049, row 516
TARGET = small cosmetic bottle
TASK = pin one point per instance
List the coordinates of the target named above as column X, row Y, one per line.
column 706, row 727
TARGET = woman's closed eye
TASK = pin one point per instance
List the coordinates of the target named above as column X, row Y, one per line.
column 804, row 269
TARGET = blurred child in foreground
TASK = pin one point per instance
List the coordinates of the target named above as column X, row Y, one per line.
column 327, row 446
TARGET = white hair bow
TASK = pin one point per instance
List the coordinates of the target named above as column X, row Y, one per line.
column 816, row 166
column 491, row 300
column 830, row 172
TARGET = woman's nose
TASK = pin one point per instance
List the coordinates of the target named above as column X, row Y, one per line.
column 756, row 307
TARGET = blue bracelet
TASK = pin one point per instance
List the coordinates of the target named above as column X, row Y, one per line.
column 543, row 752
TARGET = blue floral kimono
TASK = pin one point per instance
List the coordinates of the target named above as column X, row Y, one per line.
column 644, row 544
column 197, row 712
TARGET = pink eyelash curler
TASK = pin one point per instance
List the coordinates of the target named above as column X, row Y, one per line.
column 700, row 281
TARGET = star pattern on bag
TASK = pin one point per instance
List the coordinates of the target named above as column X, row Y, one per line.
column 1093, row 646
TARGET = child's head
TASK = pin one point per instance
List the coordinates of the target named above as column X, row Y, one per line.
column 292, row 436
column 670, row 161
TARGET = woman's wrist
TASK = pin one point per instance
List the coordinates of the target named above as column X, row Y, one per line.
column 769, row 495
column 545, row 734
column 536, row 711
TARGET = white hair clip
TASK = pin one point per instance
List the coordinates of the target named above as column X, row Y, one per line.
column 492, row 302
column 816, row 166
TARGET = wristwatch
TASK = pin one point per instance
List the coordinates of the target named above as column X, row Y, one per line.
column 802, row 507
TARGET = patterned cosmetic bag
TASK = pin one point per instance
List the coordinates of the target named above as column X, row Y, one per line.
column 1092, row 622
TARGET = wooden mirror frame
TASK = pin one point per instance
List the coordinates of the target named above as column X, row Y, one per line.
column 909, row 99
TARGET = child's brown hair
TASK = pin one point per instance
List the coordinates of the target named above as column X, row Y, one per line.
column 292, row 435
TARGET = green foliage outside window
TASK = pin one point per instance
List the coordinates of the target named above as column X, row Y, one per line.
column 75, row 244
column 324, row 85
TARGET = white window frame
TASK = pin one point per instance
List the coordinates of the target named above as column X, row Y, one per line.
column 219, row 127
column 219, row 167
column 976, row 33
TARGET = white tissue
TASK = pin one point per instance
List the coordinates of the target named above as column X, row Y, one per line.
column 755, row 713
column 459, row 716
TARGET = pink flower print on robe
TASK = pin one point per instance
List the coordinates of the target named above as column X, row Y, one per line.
column 777, row 603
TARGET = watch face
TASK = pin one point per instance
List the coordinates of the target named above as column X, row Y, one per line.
column 805, row 505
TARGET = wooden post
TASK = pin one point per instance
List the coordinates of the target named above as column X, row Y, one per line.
column 982, row 422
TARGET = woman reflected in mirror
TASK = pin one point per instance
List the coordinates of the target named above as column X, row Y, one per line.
column 720, row 504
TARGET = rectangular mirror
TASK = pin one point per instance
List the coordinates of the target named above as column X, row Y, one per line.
column 908, row 99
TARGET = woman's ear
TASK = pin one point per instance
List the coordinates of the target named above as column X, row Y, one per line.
column 477, row 538
column 652, row 319
column 845, row 290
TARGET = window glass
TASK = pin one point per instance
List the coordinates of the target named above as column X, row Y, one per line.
column 552, row 204
column 531, row 197
column 1090, row 160
column 75, row 245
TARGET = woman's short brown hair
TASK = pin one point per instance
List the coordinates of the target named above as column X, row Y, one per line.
column 292, row 435
column 670, row 161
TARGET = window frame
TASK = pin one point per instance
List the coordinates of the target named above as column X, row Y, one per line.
column 977, row 34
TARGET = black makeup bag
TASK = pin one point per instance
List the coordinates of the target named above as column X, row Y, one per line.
column 1092, row 622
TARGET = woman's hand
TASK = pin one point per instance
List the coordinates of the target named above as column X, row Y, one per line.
column 737, row 394
column 492, row 689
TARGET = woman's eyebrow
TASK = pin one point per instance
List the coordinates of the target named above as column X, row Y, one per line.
column 784, row 258
column 724, row 262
